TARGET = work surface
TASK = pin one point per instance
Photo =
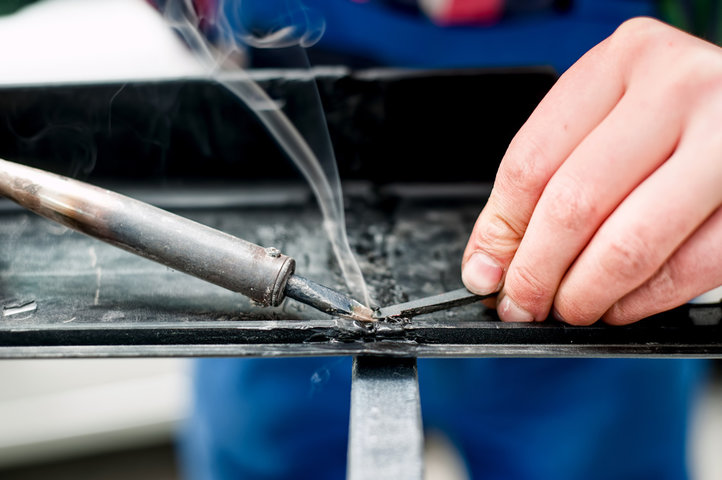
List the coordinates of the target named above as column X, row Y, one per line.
column 64, row 294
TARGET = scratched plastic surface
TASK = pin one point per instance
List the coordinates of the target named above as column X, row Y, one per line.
column 67, row 295
column 407, row 253
column 191, row 130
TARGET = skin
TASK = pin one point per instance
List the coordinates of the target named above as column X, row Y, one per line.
column 607, row 201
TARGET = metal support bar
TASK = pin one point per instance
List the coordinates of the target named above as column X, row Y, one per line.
column 669, row 334
column 386, row 436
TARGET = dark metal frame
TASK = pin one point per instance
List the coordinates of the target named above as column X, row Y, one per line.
column 657, row 336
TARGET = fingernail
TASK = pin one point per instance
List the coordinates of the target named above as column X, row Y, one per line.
column 557, row 315
column 511, row 312
column 481, row 274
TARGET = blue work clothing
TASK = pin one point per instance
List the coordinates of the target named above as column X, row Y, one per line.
column 370, row 29
column 512, row 419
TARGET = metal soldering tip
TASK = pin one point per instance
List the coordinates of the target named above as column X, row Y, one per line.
column 326, row 299
column 361, row 312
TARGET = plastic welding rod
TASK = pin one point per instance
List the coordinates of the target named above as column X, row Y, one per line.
column 443, row 301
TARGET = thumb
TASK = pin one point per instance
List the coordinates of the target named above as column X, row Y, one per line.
column 581, row 98
column 493, row 243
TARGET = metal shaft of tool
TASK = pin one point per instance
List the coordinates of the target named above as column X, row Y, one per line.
column 182, row 244
column 326, row 299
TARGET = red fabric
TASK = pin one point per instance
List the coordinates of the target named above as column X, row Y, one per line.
column 470, row 11
column 206, row 11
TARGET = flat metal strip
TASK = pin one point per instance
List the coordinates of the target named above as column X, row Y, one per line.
column 386, row 437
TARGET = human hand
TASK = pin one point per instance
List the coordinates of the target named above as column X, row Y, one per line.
column 607, row 201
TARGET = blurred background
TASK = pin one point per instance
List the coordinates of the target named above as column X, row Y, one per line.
column 118, row 418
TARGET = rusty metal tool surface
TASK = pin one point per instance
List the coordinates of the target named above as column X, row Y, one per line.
column 262, row 274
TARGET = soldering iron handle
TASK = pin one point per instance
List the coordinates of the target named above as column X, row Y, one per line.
column 150, row 232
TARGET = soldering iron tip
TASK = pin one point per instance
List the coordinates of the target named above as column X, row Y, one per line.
column 361, row 312
column 327, row 299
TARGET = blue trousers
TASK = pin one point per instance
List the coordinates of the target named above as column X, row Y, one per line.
column 580, row 419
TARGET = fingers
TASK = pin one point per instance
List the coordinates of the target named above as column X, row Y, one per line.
column 604, row 189
column 592, row 86
column 591, row 183
column 648, row 227
column 693, row 269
